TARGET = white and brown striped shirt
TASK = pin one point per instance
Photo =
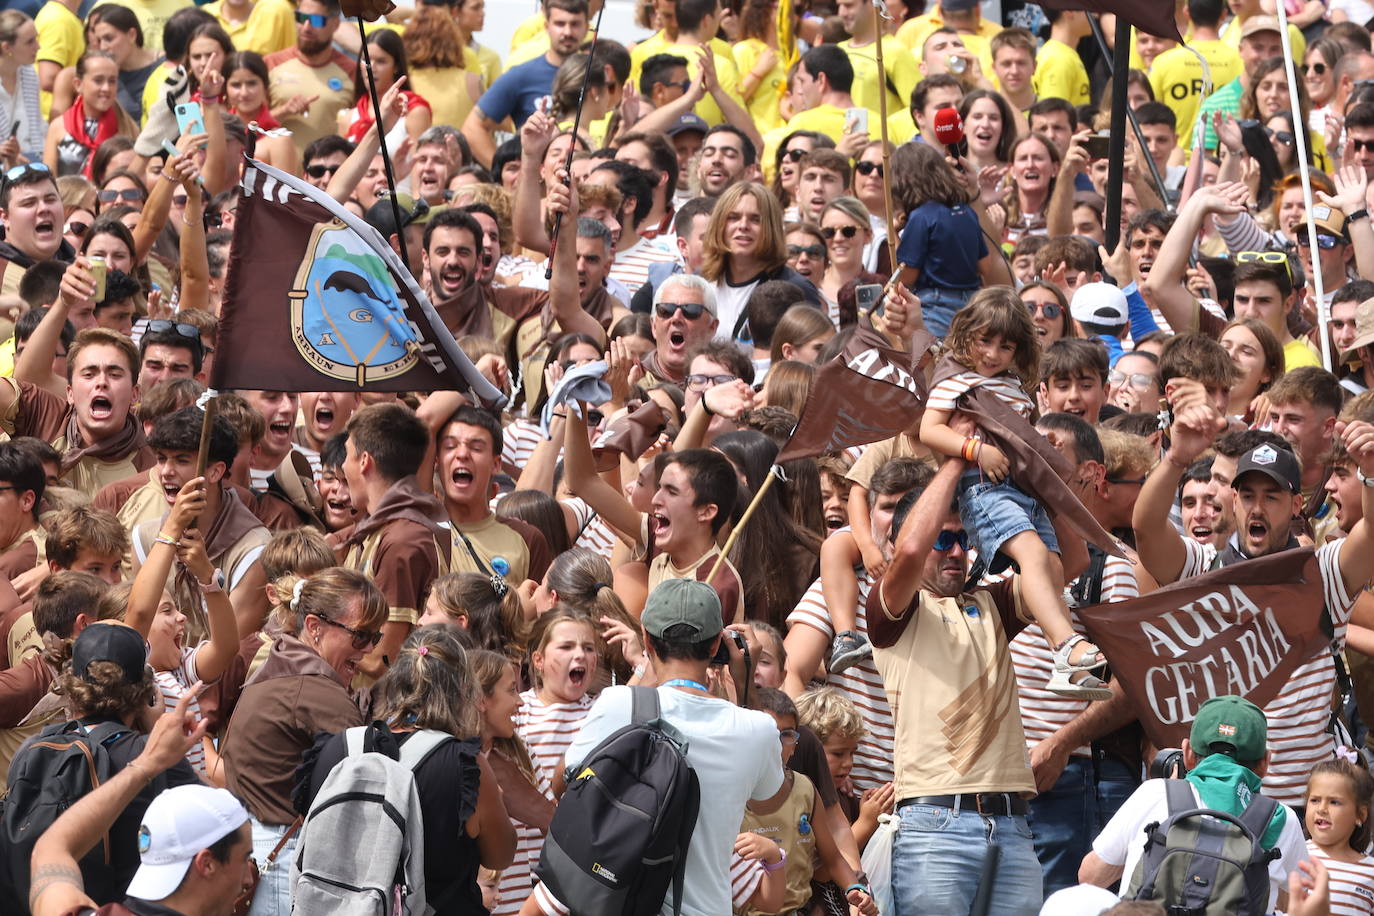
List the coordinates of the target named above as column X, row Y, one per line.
column 1352, row 883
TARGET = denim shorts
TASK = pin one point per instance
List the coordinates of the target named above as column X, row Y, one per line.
column 938, row 305
column 994, row 513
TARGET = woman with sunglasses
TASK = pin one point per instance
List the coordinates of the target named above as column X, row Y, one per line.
column 847, row 229
column 94, row 117
column 806, row 252
column 1319, row 78
column 743, row 246
column 1049, row 312
column 786, row 174
column 121, row 187
column 867, row 186
column 388, row 53
column 301, row 690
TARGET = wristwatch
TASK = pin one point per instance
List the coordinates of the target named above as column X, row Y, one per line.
column 216, row 583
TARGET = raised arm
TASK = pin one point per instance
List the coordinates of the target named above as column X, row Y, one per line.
column 214, row 656
column 565, row 299
column 727, row 97
column 579, row 470
column 1357, row 552
column 1059, row 214
column 1351, row 186
column 78, row 288
column 151, row 580
column 195, row 260
column 1165, row 287
column 914, row 542
column 527, row 215
column 345, row 180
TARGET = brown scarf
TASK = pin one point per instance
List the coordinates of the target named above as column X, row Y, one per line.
column 404, row 500
column 116, row 448
column 654, row 368
column 1037, row 467
column 467, row 313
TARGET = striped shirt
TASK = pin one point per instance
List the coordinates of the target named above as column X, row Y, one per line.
column 631, row 266
column 593, row 532
column 517, row 880
column 745, row 877
column 1007, row 387
column 861, row 683
column 173, row 685
column 547, row 729
column 1352, row 883
column 1044, row 713
column 1298, row 739
column 518, row 442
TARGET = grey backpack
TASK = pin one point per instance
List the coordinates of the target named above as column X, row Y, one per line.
column 362, row 846
column 1203, row 862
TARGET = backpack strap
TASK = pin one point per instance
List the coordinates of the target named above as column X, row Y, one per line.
column 1256, row 816
column 644, row 706
column 1179, row 793
column 420, row 745
column 355, row 740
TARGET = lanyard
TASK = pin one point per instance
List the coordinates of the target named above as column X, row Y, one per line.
column 686, row 682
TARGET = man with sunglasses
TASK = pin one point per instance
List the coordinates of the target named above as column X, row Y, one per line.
column 684, row 314
column 323, row 158
column 313, row 71
column 1335, row 253
column 31, row 211
column 234, row 536
column 959, row 764
column 169, row 350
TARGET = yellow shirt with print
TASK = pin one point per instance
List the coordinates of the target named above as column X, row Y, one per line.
column 153, row 89
column 900, row 74
column 488, row 61
column 60, row 40
column 1176, row 76
column 269, row 28
column 1298, row 352
column 152, row 16
column 916, row 30
column 1060, row 74
column 764, row 105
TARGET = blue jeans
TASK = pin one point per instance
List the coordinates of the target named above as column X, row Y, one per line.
column 1067, row 817
column 273, row 897
column 994, row 513
column 937, row 862
column 938, row 306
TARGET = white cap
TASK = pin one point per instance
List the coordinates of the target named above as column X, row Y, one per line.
column 1100, row 303
column 179, row 823
column 1082, row 900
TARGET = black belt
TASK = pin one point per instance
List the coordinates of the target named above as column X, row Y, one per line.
column 992, row 804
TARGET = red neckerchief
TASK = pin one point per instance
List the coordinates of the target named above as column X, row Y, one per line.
column 74, row 122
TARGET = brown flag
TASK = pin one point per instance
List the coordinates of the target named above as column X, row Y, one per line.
column 316, row 300
column 1243, row 629
column 630, row 435
column 868, row 393
column 1155, row 17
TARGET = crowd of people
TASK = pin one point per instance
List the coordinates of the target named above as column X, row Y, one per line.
column 883, row 663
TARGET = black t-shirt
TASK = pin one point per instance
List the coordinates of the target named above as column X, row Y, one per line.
column 447, row 781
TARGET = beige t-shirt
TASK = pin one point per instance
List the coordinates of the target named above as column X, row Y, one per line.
column 727, row 583
column 288, row 75
column 950, row 683
column 880, row 453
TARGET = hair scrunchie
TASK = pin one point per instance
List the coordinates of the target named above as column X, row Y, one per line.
column 296, row 591
column 598, row 586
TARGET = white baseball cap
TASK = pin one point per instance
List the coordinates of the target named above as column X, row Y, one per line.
column 1081, row 900
column 1100, row 303
column 179, row 823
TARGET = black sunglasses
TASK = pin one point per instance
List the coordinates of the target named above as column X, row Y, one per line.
column 1319, row 69
column 793, row 155
column 1361, row 145
column 868, row 168
column 948, row 539
column 811, row 251
column 362, row 639
column 848, row 232
column 162, row 325
column 690, row 310
column 109, row 196
column 77, row 229
column 319, row 171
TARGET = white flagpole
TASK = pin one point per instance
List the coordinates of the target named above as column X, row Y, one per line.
column 1300, row 129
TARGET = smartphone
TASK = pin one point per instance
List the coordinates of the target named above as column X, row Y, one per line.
column 1099, row 146
column 14, row 130
column 97, row 270
column 190, row 119
column 868, row 298
column 856, row 121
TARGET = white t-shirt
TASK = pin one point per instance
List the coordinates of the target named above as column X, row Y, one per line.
column 1123, row 839
column 737, row 757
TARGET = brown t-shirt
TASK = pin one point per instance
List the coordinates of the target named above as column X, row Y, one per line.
column 402, row 560
column 949, row 680
column 22, row 555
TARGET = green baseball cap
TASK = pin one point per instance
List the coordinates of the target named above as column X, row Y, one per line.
column 682, row 602
column 1230, row 725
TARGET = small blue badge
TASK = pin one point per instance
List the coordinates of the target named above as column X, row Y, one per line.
column 500, row 566
column 335, row 84
column 145, row 839
column 972, row 610
column 804, row 824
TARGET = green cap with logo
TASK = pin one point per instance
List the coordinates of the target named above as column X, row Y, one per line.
column 1230, row 725
column 684, row 602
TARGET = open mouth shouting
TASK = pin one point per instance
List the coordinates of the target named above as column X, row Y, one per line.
column 101, row 409
column 577, row 676
column 835, row 520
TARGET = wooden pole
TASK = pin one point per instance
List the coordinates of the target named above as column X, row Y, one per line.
column 206, row 426
column 1116, row 162
column 773, row 472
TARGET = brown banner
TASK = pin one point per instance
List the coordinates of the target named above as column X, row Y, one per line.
column 869, row 393
column 1241, row 630
column 630, row 435
column 1155, row 17
column 315, row 300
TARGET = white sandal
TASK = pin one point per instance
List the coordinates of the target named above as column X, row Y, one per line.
column 1087, row 686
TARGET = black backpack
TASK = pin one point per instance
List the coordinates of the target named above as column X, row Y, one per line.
column 1202, row 862
column 619, row 836
column 64, row 762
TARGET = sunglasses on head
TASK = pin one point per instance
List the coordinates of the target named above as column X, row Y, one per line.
column 868, row 168
column 362, row 639
column 109, row 195
column 948, row 539
column 319, row 171
column 316, row 20
column 16, row 172
column 848, row 232
column 690, row 310
column 1267, row 257
column 811, row 251
column 162, row 325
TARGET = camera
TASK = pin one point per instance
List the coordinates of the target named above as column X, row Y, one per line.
column 1168, row 764
column 722, row 656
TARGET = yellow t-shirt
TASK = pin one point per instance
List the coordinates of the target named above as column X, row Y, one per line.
column 726, row 73
column 1298, row 352
column 824, row 119
column 900, row 77
column 658, row 44
column 488, row 61
column 152, row 90
column 1176, row 78
column 60, row 40
column 445, row 89
column 270, row 27
column 1231, row 35
column 153, row 15
column 901, row 127
column 916, row 30
column 526, row 30
column 288, row 76
column 763, row 105
column 1059, row 73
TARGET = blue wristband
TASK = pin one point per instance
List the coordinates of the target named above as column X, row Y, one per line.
column 857, row 887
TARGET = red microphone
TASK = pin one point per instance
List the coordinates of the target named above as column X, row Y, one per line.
column 949, row 130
